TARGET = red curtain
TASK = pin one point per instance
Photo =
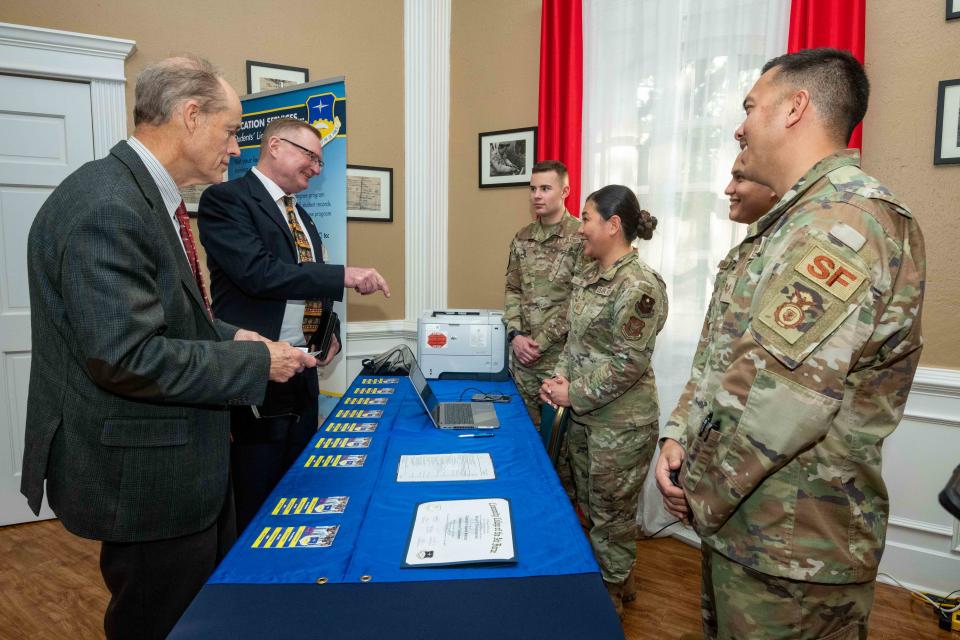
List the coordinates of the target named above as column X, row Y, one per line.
column 829, row 23
column 561, row 90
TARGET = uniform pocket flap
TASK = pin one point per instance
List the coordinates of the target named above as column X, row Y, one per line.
column 131, row 432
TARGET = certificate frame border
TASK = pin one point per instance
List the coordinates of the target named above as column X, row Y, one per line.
column 487, row 563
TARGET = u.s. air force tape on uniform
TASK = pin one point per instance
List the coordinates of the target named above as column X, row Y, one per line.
column 806, row 302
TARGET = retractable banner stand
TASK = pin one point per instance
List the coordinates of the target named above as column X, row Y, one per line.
column 324, row 105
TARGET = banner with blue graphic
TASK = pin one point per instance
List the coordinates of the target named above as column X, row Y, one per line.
column 324, row 105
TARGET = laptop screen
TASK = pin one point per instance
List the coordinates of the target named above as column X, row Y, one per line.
column 423, row 390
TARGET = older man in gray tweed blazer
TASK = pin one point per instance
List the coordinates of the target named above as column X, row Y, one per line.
column 131, row 375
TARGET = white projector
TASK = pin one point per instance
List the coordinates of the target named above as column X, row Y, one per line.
column 462, row 344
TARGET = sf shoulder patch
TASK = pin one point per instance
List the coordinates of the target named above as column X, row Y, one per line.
column 806, row 303
column 830, row 272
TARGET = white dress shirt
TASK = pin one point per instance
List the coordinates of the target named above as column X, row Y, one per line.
column 168, row 188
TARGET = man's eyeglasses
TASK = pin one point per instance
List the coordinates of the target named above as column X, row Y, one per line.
column 310, row 154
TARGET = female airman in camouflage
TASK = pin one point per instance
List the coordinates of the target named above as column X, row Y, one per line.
column 617, row 307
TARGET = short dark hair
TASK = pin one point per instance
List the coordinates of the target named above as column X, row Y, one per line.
column 837, row 83
column 162, row 86
column 616, row 199
column 551, row 165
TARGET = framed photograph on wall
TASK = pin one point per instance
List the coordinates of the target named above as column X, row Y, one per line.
column 263, row 76
column 507, row 157
column 369, row 193
column 947, row 142
column 953, row 9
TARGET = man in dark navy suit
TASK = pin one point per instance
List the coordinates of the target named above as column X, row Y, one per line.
column 269, row 271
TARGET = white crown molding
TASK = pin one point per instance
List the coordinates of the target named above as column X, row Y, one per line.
column 919, row 525
column 62, row 54
column 426, row 54
column 932, row 418
column 940, row 382
column 97, row 60
column 358, row 332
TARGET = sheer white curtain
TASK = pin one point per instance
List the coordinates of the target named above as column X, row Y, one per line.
column 664, row 81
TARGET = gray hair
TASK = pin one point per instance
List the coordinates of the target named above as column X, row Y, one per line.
column 164, row 85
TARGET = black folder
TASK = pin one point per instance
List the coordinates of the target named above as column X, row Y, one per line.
column 320, row 340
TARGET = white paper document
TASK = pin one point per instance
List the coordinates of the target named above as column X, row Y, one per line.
column 452, row 532
column 445, row 467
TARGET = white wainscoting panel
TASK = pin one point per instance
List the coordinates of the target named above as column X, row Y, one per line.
column 923, row 540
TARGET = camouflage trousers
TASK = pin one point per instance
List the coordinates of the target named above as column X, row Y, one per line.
column 529, row 379
column 738, row 602
column 608, row 465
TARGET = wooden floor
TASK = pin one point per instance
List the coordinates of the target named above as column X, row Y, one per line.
column 50, row 587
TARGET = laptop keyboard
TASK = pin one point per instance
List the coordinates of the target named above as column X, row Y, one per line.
column 457, row 413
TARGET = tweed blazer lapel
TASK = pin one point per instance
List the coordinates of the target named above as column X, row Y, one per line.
column 150, row 191
column 268, row 207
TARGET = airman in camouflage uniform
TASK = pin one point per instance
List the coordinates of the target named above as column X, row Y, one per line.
column 807, row 354
column 542, row 260
column 615, row 315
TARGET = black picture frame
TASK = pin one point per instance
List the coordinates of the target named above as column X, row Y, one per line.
column 369, row 193
column 288, row 75
column 506, row 158
column 953, row 9
column 947, row 140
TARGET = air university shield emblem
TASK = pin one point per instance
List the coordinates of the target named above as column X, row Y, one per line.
column 320, row 114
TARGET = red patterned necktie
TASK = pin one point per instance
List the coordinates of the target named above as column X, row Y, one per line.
column 312, row 309
column 186, row 235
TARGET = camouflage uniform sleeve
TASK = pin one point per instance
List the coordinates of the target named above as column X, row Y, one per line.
column 820, row 298
column 557, row 325
column 563, row 365
column 513, row 290
column 638, row 315
column 676, row 426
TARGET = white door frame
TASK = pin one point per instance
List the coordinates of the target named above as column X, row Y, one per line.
column 91, row 60
column 48, row 53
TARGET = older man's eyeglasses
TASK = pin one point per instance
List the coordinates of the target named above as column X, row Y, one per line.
column 310, row 154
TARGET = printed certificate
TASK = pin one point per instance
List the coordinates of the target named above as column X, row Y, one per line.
column 445, row 467
column 453, row 532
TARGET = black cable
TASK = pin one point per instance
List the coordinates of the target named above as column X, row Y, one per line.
column 486, row 396
column 659, row 531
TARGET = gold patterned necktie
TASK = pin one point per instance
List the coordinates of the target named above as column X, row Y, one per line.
column 313, row 309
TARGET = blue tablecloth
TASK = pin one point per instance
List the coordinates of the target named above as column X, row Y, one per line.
column 371, row 539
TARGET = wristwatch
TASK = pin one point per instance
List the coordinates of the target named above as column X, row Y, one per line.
column 513, row 333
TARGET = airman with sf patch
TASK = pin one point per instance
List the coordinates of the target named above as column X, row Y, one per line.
column 803, row 371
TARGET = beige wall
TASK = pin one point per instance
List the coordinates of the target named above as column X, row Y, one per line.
column 910, row 48
column 494, row 67
column 362, row 40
